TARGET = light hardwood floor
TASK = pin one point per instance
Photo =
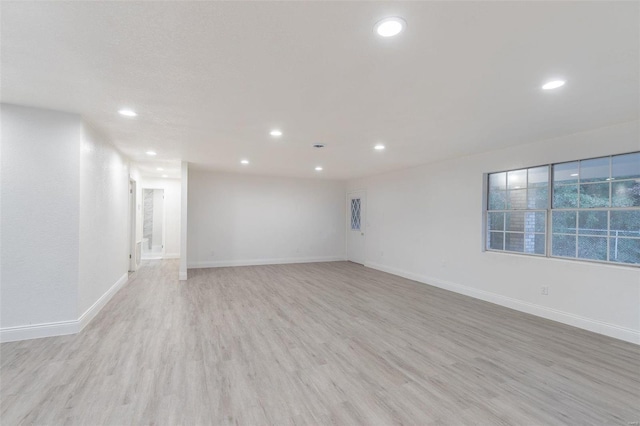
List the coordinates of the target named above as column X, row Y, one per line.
column 331, row 343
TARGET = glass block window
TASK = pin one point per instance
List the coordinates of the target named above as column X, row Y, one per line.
column 594, row 211
column 516, row 210
column 355, row 214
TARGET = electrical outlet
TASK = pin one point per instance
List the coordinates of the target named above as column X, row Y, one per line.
column 545, row 290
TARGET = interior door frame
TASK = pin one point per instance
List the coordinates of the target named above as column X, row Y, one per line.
column 363, row 226
column 164, row 218
column 133, row 218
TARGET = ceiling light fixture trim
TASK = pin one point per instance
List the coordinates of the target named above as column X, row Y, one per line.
column 127, row 112
column 553, row 84
column 391, row 26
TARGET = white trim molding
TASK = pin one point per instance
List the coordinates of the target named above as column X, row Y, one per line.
column 600, row 327
column 36, row 331
column 90, row 313
column 256, row 262
column 61, row 328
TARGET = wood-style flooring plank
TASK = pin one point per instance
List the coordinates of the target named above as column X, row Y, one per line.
column 314, row 344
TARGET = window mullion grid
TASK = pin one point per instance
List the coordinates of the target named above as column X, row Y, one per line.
column 577, row 228
column 549, row 223
column 579, row 211
column 609, row 210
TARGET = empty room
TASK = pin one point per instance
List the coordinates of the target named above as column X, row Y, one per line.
column 319, row 213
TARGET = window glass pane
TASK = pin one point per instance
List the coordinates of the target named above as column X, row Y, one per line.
column 625, row 166
column 533, row 243
column 496, row 240
column 564, row 222
column 596, row 170
column 625, row 250
column 538, row 198
column 517, row 199
column 498, row 181
column 496, row 221
column 514, row 242
column 515, row 221
column 625, row 223
column 595, row 210
column 565, row 196
column 594, row 195
column 565, row 173
column 563, row 245
column 355, row 214
column 540, row 243
column 625, row 193
column 517, row 179
column 497, row 200
column 592, row 223
column 538, row 176
column 534, row 221
column 592, row 248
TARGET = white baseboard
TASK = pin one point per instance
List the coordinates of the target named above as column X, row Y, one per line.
column 182, row 275
column 62, row 328
column 90, row 313
column 36, row 331
column 600, row 327
column 255, row 262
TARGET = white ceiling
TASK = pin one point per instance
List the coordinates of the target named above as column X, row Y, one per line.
column 209, row 80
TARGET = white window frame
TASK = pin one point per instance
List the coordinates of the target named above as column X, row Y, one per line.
column 549, row 216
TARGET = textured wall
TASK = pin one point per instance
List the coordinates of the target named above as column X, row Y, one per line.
column 40, row 169
column 426, row 223
column 240, row 219
column 104, row 217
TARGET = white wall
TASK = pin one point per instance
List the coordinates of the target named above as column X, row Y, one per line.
column 172, row 191
column 425, row 223
column 104, row 217
column 184, row 192
column 64, row 222
column 40, row 172
column 236, row 219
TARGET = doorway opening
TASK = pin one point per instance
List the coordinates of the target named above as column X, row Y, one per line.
column 134, row 246
column 152, row 223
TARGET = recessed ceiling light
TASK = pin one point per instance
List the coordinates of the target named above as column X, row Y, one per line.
column 244, row 161
column 151, row 153
column 127, row 112
column 159, row 169
column 165, row 175
column 574, row 174
column 275, row 132
column 554, row 84
column 318, row 169
column 379, row 147
column 390, row 27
